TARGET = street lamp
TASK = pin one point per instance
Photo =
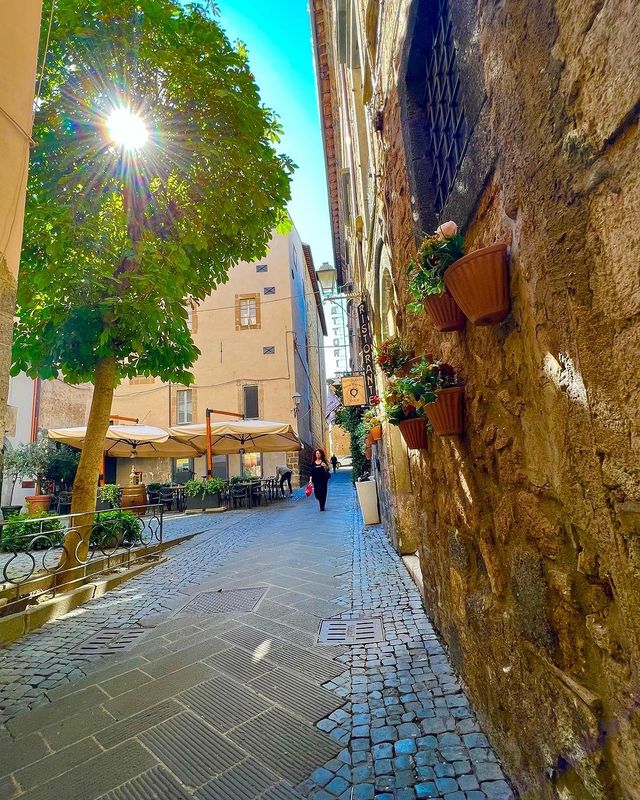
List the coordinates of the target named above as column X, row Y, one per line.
column 296, row 397
column 327, row 277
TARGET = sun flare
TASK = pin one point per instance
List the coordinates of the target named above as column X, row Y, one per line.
column 127, row 129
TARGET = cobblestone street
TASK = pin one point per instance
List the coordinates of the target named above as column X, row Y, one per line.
column 228, row 704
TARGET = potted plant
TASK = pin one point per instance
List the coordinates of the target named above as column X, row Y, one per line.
column 373, row 424
column 115, row 528
column 13, row 466
column 31, row 461
column 436, row 390
column 108, row 497
column 62, row 466
column 401, row 410
column 426, row 271
column 394, row 356
column 202, row 493
column 479, row 283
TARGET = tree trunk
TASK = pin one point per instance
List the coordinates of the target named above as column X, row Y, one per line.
column 83, row 499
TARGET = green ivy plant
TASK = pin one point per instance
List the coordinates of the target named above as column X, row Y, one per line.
column 435, row 255
column 351, row 418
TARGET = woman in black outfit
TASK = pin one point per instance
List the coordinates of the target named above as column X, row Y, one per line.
column 320, row 477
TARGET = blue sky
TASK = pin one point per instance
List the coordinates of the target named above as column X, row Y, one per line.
column 278, row 37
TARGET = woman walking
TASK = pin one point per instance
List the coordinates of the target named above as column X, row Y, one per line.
column 320, row 477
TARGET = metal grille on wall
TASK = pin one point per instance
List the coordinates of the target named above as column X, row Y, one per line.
column 446, row 124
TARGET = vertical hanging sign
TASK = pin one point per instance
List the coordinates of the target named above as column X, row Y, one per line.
column 366, row 342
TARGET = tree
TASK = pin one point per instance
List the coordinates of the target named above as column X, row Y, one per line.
column 116, row 240
column 28, row 461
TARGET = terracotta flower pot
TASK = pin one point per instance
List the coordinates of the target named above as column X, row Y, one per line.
column 479, row 283
column 368, row 452
column 376, row 433
column 446, row 414
column 402, row 372
column 38, row 503
column 414, row 433
column 445, row 313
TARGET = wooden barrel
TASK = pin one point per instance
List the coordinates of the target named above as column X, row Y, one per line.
column 134, row 496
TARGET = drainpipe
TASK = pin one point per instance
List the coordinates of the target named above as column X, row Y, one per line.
column 35, row 409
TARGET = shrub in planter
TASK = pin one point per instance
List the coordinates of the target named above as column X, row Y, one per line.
column 108, row 496
column 436, row 254
column 29, row 532
column 114, row 528
column 436, row 390
column 203, row 492
column 393, row 355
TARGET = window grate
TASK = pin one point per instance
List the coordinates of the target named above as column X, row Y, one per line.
column 262, row 268
column 269, row 289
column 447, row 130
column 268, row 351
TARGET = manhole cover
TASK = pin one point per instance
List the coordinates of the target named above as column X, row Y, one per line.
column 109, row 641
column 350, row 631
column 224, row 600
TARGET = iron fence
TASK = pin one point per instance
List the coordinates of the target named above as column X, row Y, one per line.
column 45, row 555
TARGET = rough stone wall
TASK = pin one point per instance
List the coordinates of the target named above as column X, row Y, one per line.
column 529, row 526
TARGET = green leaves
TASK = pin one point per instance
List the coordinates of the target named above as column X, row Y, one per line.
column 115, row 242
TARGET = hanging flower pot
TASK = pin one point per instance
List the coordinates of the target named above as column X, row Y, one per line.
column 368, row 452
column 414, row 433
column 446, row 414
column 445, row 313
column 376, row 433
column 479, row 283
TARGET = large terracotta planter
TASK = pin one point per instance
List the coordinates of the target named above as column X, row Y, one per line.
column 446, row 414
column 445, row 313
column 38, row 504
column 479, row 283
column 414, row 433
column 376, row 433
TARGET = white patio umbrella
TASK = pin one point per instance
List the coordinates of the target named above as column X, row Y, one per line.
column 250, row 435
column 124, row 441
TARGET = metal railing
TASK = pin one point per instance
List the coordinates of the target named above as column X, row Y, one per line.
column 44, row 555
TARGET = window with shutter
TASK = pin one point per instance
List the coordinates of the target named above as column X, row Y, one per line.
column 251, row 410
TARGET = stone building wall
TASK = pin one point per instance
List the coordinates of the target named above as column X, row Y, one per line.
column 528, row 526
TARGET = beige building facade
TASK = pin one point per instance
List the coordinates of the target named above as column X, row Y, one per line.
column 520, row 122
column 261, row 341
column 19, row 34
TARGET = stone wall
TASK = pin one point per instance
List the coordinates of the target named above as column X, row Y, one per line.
column 529, row 526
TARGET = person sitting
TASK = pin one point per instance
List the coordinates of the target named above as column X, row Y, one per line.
column 283, row 473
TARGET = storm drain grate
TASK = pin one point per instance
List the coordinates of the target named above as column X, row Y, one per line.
column 350, row 631
column 224, row 600
column 109, row 641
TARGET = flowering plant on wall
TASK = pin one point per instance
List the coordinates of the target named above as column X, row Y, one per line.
column 438, row 393
column 436, row 254
column 398, row 404
column 393, row 354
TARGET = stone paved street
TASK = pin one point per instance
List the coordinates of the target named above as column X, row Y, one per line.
column 236, row 705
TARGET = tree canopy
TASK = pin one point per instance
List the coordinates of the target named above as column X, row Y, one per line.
column 115, row 241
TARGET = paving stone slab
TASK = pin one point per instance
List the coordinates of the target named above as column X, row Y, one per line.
column 186, row 656
column 115, row 766
column 223, row 703
column 76, row 727
column 129, row 703
column 306, row 662
column 156, row 783
column 128, row 728
column 283, row 791
column 252, row 638
column 239, row 663
column 57, row 763
column 244, row 782
column 59, row 709
column 301, row 697
column 193, row 751
column 288, row 747
column 16, row 754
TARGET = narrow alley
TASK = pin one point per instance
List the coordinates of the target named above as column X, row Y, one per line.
column 196, row 699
